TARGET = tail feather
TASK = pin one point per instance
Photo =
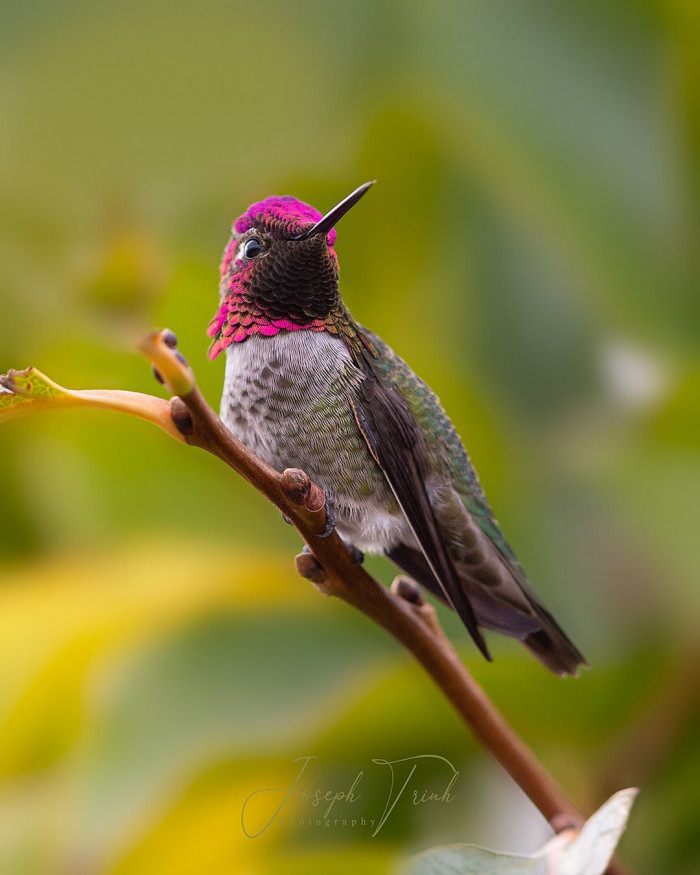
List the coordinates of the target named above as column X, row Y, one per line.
column 553, row 647
column 538, row 630
column 555, row 652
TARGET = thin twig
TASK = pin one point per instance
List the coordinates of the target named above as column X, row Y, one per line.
column 332, row 568
column 330, row 565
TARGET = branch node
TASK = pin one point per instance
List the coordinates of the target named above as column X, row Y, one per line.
column 301, row 491
column 316, row 500
column 169, row 338
column 181, row 416
column 308, row 566
column 407, row 589
column 296, row 486
column 160, row 348
column 563, row 821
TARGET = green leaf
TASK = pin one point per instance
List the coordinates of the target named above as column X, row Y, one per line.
column 591, row 848
column 573, row 852
column 29, row 390
column 27, row 387
column 470, row 860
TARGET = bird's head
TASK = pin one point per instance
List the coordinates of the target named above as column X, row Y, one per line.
column 279, row 271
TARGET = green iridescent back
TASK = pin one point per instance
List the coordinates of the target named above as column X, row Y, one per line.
column 442, row 440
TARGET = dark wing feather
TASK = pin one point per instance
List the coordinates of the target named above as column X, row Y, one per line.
column 549, row 643
column 510, row 607
column 396, row 442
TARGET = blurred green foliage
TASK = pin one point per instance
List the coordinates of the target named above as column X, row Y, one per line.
column 531, row 249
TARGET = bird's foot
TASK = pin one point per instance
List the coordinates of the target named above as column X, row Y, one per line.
column 330, row 520
column 357, row 556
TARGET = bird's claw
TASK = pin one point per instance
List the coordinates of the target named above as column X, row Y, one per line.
column 330, row 521
column 356, row 555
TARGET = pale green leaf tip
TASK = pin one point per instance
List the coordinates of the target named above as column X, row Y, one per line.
column 573, row 852
column 27, row 386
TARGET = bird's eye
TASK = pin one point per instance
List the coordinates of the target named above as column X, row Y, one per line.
column 252, row 248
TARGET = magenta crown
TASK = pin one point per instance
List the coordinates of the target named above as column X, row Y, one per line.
column 284, row 214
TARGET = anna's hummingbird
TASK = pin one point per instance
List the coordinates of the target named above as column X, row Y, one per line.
column 307, row 386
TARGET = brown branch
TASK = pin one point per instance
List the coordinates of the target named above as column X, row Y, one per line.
column 401, row 612
column 302, row 503
column 330, row 565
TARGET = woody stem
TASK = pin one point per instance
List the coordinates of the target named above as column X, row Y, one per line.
column 333, row 569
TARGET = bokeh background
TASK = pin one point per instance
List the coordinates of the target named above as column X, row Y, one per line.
column 531, row 248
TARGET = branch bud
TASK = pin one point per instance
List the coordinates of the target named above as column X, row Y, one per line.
column 296, row 485
column 407, row 589
column 308, row 566
column 169, row 364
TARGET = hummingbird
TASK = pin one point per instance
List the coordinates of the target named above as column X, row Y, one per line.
column 307, row 386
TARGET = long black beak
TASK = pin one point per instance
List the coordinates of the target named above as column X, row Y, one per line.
column 324, row 225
